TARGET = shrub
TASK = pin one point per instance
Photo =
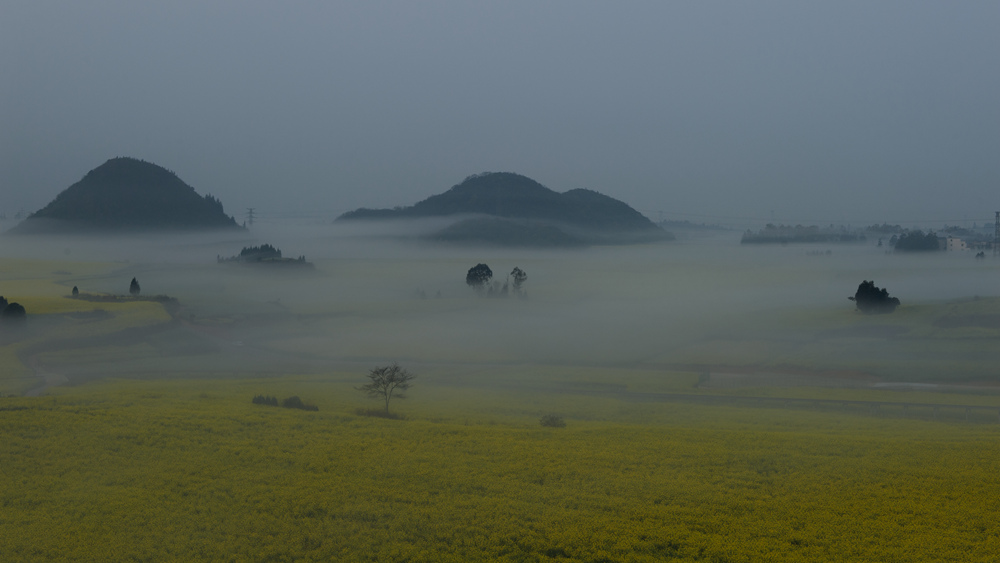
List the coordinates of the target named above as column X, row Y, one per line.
column 296, row 403
column 553, row 421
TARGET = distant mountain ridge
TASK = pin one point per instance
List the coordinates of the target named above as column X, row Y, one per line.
column 126, row 194
column 580, row 214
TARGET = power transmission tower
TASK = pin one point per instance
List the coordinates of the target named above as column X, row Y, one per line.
column 250, row 215
column 996, row 235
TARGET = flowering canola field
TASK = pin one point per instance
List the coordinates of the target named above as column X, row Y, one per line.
column 191, row 470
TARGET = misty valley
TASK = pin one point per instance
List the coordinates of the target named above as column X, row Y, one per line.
column 692, row 400
column 524, row 282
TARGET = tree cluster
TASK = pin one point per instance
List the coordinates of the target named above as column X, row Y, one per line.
column 915, row 241
column 480, row 279
column 885, row 229
column 871, row 299
column 258, row 253
column 784, row 234
column 293, row 402
column 264, row 254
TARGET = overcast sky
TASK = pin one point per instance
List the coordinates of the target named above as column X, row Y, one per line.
column 723, row 112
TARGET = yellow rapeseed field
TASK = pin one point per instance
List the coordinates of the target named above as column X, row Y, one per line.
column 191, row 470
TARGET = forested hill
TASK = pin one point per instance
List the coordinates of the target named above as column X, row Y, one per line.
column 127, row 194
column 512, row 196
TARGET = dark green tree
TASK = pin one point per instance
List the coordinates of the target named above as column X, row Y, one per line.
column 134, row 288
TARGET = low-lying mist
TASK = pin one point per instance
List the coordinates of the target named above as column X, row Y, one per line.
column 376, row 295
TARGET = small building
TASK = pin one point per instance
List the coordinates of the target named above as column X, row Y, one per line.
column 955, row 243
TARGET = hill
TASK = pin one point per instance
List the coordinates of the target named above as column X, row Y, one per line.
column 521, row 210
column 126, row 195
column 496, row 231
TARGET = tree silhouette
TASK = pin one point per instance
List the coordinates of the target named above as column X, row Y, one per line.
column 917, row 241
column 268, row 400
column 76, row 291
column 478, row 278
column 259, row 253
column 133, row 287
column 13, row 313
column 870, row 299
column 518, row 277
column 387, row 381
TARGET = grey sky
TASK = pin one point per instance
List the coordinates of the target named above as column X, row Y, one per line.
column 707, row 111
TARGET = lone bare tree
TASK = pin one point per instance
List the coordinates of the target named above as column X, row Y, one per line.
column 386, row 381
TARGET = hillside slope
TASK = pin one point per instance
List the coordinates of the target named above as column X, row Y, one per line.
column 127, row 194
column 582, row 215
